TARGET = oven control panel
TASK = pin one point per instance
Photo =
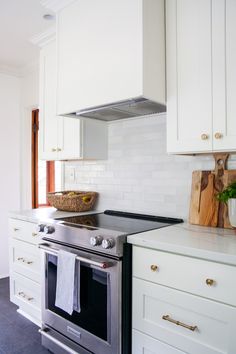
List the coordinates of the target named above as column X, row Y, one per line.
column 100, row 240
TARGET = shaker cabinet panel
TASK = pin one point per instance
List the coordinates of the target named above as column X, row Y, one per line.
column 65, row 138
column 189, row 93
column 201, row 76
column 187, row 322
column 47, row 116
column 224, row 74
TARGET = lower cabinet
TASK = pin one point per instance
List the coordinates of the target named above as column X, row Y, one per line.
column 143, row 344
column 25, row 288
column 169, row 320
column 25, row 293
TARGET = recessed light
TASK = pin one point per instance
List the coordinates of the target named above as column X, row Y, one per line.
column 48, row 17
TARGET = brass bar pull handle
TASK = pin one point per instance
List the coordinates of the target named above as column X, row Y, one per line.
column 28, row 298
column 178, row 323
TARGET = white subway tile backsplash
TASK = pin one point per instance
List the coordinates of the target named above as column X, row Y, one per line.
column 139, row 175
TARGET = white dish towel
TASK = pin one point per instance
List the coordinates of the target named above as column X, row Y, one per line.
column 65, row 281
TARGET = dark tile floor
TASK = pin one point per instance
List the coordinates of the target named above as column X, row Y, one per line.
column 17, row 334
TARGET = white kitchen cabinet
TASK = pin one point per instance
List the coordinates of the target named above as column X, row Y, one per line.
column 110, row 51
column 64, row 138
column 201, row 76
column 25, row 289
column 172, row 313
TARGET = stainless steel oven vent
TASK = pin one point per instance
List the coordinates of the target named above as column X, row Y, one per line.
column 122, row 110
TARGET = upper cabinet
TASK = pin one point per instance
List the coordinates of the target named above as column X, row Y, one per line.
column 108, row 52
column 201, row 75
column 63, row 138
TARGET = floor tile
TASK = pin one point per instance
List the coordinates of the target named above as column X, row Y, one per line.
column 17, row 334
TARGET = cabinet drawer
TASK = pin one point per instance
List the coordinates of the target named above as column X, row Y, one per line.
column 142, row 344
column 187, row 274
column 25, row 259
column 25, row 293
column 156, row 310
column 23, row 230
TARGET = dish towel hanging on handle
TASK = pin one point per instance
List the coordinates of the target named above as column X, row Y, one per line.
column 65, row 290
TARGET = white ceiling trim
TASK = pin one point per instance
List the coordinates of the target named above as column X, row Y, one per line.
column 45, row 37
column 55, row 5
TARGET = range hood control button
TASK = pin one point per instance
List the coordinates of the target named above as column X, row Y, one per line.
column 40, row 228
column 108, row 243
column 96, row 240
column 48, row 229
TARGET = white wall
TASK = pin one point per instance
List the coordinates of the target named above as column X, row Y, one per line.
column 29, row 87
column 139, row 175
column 9, row 159
column 18, row 96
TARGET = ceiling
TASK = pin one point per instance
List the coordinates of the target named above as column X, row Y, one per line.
column 20, row 20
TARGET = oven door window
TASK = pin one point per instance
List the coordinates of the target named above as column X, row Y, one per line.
column 94, row 298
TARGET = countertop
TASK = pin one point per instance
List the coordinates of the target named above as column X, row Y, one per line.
column 208, row 243
column 36, row 215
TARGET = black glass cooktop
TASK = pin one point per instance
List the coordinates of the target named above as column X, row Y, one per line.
column 128, row 223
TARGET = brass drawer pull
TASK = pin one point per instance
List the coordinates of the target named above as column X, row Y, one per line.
column 154, row 268
column 24, row 296
column 23, row 260
column 53, row 149
column 59, row 149
column 34, row 234
column 210, row 282
column 178, row 323
column 16, row 229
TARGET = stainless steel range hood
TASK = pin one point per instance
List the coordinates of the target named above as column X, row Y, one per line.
column 121, row 110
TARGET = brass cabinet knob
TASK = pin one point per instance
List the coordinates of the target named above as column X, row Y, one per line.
column 154, row 267
column 204, row 136
column 210, row 282
column 15, row 229
column 54, row 150
column 59, row 149
column 218, row 135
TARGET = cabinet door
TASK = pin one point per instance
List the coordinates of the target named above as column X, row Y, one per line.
column 190, row 323
column 47, row 117
column 69, row 138
column 142, row 344
column 224, row 74
column 189, row 76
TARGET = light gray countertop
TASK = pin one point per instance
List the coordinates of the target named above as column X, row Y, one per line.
column 35, row 215
column 209, row 243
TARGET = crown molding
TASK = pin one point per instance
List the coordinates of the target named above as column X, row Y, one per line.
column 55, row 5
column 45, row 37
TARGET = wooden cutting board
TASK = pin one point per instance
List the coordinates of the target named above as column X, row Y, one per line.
column 204, row 207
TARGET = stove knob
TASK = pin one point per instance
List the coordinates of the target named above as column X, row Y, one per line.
column 96, row 240
column 108, row 243
column 40, row 228
column 48, row 229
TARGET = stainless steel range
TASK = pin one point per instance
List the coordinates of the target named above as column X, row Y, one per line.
column 103, row 325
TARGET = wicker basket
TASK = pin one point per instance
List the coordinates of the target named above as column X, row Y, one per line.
column 72, row 200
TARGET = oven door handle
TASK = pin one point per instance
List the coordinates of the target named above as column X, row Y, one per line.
column 54, row 251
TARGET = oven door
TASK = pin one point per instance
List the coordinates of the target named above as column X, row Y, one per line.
column 98, row 326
